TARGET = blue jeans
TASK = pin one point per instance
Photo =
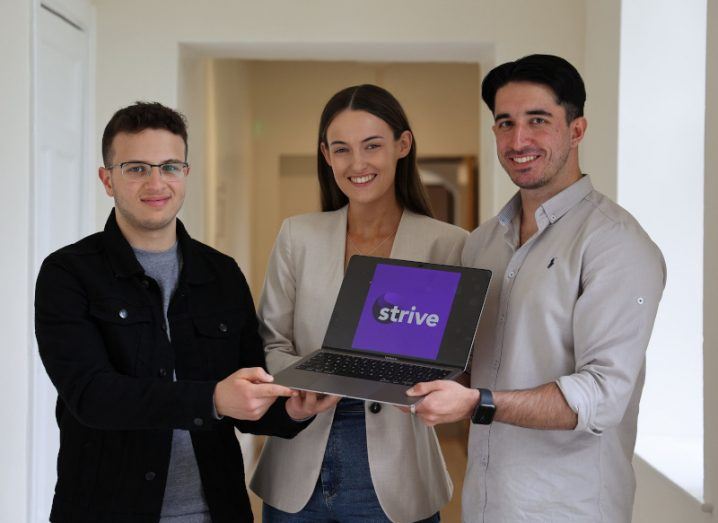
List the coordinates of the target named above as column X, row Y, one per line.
column 344, row 492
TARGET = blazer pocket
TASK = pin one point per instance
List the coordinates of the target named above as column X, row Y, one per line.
column 123, row 326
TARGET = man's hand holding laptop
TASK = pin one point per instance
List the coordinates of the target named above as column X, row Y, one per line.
column 249, row 392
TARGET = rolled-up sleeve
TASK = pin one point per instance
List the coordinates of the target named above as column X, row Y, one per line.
column 621, row 285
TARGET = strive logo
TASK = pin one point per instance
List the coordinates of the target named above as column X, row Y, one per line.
column 385, row 311
column 406, row 311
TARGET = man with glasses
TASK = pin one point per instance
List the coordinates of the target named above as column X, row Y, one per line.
column 151, row 340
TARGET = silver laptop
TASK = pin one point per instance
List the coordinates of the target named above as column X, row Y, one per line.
column 395, row 323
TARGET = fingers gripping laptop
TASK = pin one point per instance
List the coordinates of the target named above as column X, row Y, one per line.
column 395, row 323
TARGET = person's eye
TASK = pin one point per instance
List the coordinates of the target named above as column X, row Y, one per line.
column 170, row 168
column 135, row 169
column 538, row 120
column 340, row 150
column 373, row 146
column 503, row 124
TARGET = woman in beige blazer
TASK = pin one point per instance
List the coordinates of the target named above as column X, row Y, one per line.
column 359, row 461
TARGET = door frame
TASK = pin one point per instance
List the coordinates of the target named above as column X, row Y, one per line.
column 81, row 15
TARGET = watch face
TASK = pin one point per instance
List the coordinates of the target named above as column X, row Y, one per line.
column 484, row 414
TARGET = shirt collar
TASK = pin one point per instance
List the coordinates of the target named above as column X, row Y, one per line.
column 510, row 210
column 124, row 262
column 552, row 210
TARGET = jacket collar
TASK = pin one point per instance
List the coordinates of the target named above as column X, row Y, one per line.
column 195, row 268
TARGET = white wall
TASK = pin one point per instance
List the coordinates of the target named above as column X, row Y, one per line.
column 15, row 263
column 599, row 151
column 660, row 181
column 483, row 31
column 710, row 265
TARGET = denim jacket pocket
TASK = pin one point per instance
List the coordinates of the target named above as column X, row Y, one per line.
column 124, row 327
column 218, row 337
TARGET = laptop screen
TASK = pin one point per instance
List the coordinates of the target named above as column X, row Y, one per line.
column 406, row 310
column 422, row 311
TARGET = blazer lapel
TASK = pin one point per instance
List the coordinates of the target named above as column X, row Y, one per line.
column 338, row 241
column 407, row 242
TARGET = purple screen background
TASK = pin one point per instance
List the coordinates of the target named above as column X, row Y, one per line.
column 430, row 291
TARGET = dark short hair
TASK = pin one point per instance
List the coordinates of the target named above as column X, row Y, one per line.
column 138, row 117
column 552, row 71
column 409, row 191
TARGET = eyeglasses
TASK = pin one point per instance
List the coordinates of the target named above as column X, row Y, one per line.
column 170, row 171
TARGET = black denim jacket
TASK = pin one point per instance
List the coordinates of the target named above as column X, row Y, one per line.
column 99, row 326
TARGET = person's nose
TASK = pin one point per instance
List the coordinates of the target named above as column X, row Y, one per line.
column 358, row 161
column 520, row 136
column 155, row 180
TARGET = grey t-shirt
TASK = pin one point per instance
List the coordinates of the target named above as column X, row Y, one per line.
column 184, row 500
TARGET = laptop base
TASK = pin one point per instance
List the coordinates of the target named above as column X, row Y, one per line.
column 357, row 388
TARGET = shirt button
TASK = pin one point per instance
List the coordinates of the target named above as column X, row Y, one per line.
column 123, row 314
column 149, row 476
column 198, row 422
column 375, row 408
column 512, row 274
column 222, row 327
column 162, row 372
column 552, row 218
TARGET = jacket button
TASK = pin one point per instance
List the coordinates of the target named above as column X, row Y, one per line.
column 149, row 476
column 198, row 422
column 222, row 327
column 163, row 327
column 145, row 283
column 122, row 314
column 162, row 372
column 375, row 408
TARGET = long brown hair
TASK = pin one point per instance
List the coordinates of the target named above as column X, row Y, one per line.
column 409, row 191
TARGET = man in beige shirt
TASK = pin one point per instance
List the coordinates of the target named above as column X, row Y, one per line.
column 559, row 359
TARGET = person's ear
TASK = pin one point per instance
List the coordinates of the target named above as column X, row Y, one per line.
column 325, row 153
column 405, row 141
column 578, row 130
column 105, row 176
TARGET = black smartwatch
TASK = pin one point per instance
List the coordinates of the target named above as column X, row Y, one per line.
column 485, row 408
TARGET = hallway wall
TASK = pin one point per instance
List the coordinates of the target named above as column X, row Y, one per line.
column 15, row 287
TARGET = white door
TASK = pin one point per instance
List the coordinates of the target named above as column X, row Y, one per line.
column 60, row 207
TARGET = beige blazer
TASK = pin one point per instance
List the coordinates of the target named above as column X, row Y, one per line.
column 303, row 278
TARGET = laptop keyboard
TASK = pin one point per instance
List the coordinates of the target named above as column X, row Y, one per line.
column 372, row 369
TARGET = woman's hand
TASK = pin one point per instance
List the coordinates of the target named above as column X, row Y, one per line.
column 306, row 404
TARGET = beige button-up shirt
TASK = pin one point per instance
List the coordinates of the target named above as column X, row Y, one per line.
column 574, row 305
